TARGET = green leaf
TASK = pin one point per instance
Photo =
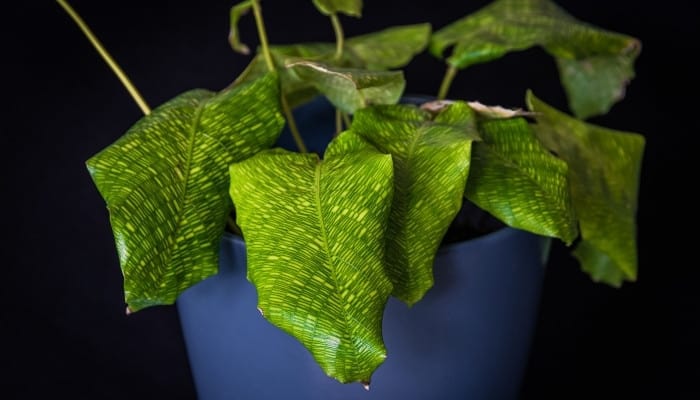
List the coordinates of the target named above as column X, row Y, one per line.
column 595, row 65
column 518, row 181
column 431, row 163
column 352, row 89
column 165, row 183
column 391, row 48
column 315, row 234
column 604, row 168
column 236, row 13
column 348, row 7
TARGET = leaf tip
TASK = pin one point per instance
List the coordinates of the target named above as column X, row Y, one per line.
column 129, row 311
column 365, row 385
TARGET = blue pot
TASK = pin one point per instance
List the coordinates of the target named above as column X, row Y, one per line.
column 468, row 338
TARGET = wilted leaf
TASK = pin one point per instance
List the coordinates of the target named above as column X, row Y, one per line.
column 351, row 89
column 166, row 180
column 315, row 235
column 604, row 167
column 431, row 163
column 595, row 65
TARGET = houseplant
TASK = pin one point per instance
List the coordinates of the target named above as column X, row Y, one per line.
column 167, row 181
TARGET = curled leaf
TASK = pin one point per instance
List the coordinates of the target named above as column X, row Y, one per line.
column 234, row 38
column 604, row 168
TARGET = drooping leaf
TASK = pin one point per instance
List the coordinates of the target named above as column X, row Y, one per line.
column 352, row 89
column 389, row 48
column 386, row 49
column 234, row 38
column 604, row 168
column 315, row 234
column 595, row 65
column 518, row 181
column 165, row 183
column 431, row 162
column 348, row 7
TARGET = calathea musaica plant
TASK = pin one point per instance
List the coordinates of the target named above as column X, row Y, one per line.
column 330, row 238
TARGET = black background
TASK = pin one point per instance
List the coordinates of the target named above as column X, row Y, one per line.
column 64, row 332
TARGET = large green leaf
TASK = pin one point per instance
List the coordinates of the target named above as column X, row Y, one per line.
column 431, row 163
column 595, row 65
column 518, row 181
column 604, row 168
column 351, row 89
column 348, row 7
column 390, row 48
column 166, row 180
column 315, row 235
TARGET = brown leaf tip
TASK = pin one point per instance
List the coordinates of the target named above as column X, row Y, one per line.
column 129, row 311
column 365, row 385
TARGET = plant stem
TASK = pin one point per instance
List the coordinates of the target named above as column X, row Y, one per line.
column 339, row 36
column 338, row 122
column 260, row 23
column 292, row 124
column 447, row 81
column 263, row 35
column 106, row 56
column 346, row 119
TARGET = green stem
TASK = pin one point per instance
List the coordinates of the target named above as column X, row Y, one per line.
column 263, row 35
column 292, row 124
column 338, row 122
column 346, row 119
column 106, row 56
column 271, row 67
column 447, row 81
column 339, row 36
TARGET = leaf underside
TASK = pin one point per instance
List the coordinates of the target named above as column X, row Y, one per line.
column 431, row 161
column 604, row 169
column 165, row 183
column 595, row 65
column 315, row 234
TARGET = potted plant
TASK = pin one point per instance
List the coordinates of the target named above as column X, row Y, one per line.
column 338, row 241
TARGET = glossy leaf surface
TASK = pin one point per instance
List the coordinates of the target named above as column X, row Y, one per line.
column 518, row 181
column 315, row 235
column 166, row 181
column 431, row 162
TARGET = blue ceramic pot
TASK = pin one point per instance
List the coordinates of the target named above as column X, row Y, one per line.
column 468, row 338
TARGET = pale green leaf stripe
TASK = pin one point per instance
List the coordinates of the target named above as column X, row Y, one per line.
column 431, row 163
column 165, row 184
column 595, row 65
column 351, row 89
column 315, row 235
column 348, row 7
column 518, row 181
column 604, row 168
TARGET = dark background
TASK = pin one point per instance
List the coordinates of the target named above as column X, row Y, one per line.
column 64, row 332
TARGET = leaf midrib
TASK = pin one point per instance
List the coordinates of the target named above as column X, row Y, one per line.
column 185, row 180
column 531, row 179
column 332, row 267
